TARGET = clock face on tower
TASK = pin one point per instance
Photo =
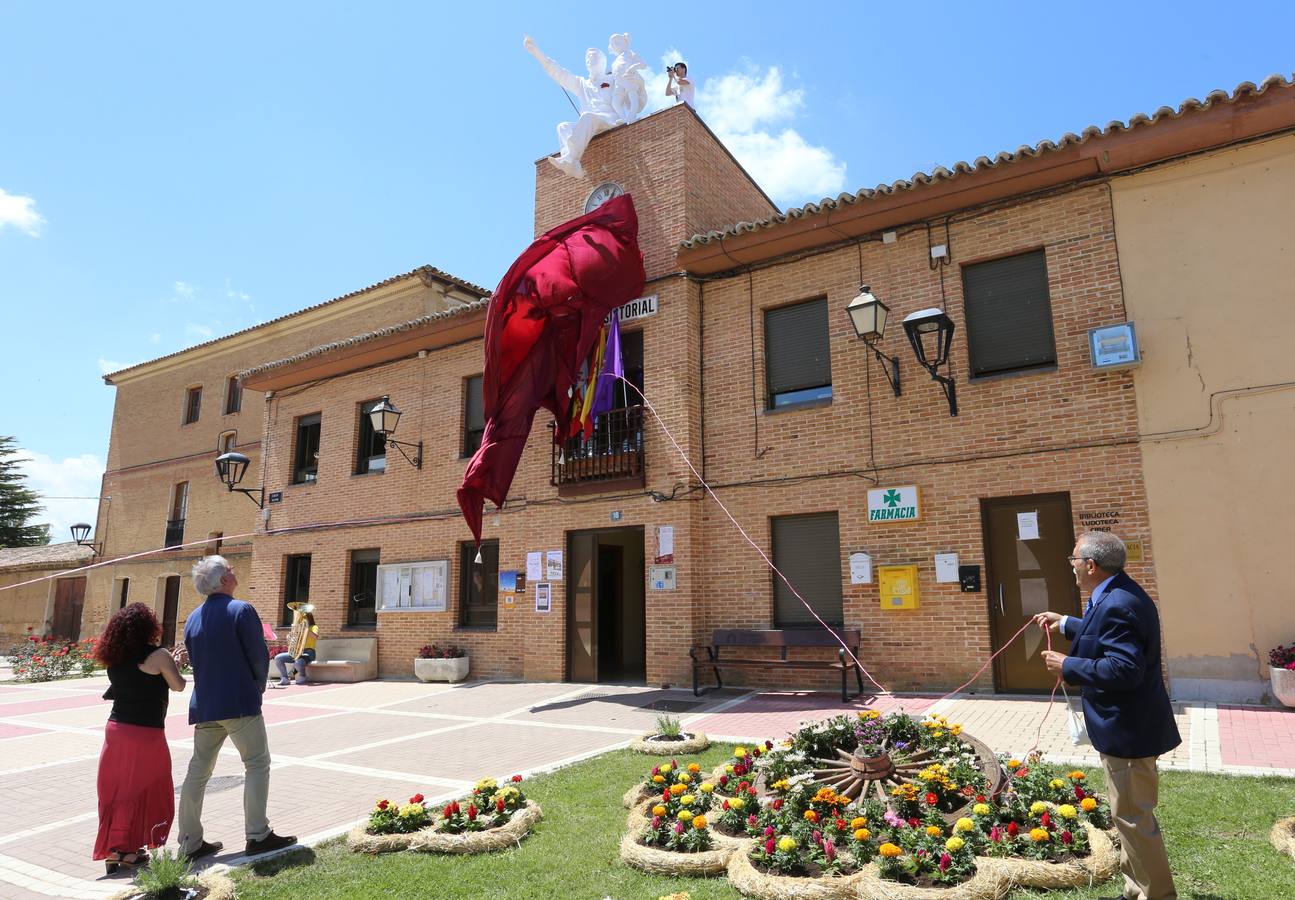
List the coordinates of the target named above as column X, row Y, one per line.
column 602, row 194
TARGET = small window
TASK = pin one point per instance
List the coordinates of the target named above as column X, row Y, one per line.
column 361, row 611
column 296, row 585
column 305, row 457
column 478, row 585
column 121, row 591
column 474, row 416
column 798, row 361
column 233, row 395
column 228, row 442
column 1009, row 314
column 179, row 511
column 192, row 405
column 371, row 452
column 807, row 549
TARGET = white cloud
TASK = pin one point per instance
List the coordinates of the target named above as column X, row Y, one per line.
column 20, row 212
column 198, row 330
column 751, row 110
column 154, row 338
column 74, row 476
column 108, row 366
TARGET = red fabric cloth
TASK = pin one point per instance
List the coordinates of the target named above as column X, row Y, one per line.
column 542, row 323
column 136, row 797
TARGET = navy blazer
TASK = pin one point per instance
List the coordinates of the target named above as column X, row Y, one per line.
column 229, row 658
column 1115, row 658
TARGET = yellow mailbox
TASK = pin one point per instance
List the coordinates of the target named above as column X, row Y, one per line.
column 898, row 586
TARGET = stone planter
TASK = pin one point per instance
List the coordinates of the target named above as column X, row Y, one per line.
column 441, row 669
column 1283, row 684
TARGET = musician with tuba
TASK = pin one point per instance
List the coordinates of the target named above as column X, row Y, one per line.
column 301, row 643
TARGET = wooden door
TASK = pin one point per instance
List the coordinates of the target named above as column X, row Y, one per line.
column 582, row 606
column 170, row 610
column 69, row 600
column 1027, row 540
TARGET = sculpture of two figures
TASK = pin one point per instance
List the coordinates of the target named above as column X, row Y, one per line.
column 606, row 98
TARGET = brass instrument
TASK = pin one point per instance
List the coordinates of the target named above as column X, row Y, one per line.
column 300, row 627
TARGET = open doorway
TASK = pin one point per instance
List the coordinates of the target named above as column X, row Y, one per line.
column 606, row 606
column 170, row 609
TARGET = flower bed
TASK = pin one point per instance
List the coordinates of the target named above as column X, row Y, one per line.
column 753, row 882
column 491, row 818
column 1283, row 836
column 210, row 886
column 655, row 744
column 46, row 659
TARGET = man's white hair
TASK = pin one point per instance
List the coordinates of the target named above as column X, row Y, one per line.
column 208, row 572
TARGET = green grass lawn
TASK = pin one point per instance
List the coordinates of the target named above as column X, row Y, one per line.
column 1216, row 828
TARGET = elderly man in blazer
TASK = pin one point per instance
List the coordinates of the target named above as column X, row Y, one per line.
column 1115, row 658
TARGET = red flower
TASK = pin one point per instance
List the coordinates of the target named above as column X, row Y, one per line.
column 656, row 822
column 829, row 850
column 499, row 805
column 945, row 860
column 914, row 822
column 752, row 821
column 656, row 770
column 1067, row 837
column 980, row 798
column 1079, row 793
column 817, row 836
column 1013, row 829
column 768, row 831
column 665, row 795
column 777, row 804
column 768, row 745
column 517, row 779
column 726, row 804
column 932, row 798
column 840, row 824
column 755, row 751
column 1045, row 820
column 417, row 798
column 448, row 811
column 723, row 781
column 472, row 812
column 768, row 847
column 1022, row 772
column 743, row 786
column 383, row 804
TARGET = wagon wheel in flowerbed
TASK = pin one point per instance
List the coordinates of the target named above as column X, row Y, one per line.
column 858, row 776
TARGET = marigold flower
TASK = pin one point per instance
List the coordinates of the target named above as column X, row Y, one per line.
column 737, row 803
column 811, row 816
column 686, row 800
column 1066, row 811
column 934, row 830
column 1039, row 835
column 859, row 822
column 705, row 787
column 699, row 822
column 658, row 779
column 955, row 729
column 1056, row 784
column 1076, row 775
column 685, row 778
column 1014, row 763
column 964, row 825
column 685, row 815
column 981, row 809
column 954, row 843
column 665, row 769
column 677, row 789
column 1088, row 804
column 862, row 834
column 411, row 809
column 787, row 844
column 694, row 768
column 740, row 752
column 1038, row 807
column 889, row 850
column 728, row 769
column 658, row 810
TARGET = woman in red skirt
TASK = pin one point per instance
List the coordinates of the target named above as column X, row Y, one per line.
column 136, row 798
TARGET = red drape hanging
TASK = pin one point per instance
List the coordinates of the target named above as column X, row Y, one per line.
column 542, row 322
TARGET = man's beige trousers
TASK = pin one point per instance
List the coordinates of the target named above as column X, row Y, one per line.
column 248, row 735
column 1133, row 786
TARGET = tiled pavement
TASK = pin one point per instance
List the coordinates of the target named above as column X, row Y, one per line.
column 338, row 747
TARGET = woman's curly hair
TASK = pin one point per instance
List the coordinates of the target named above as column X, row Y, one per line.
column 127, row 635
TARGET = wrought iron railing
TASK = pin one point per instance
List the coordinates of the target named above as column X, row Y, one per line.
column 174, row 533
column 614, row 450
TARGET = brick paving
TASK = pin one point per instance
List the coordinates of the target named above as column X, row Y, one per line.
column 338, row 747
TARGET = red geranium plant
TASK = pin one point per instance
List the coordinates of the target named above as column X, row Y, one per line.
column 434, row 651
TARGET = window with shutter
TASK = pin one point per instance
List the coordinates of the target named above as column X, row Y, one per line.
column 474, row 416
column 1009, row 314
column 807, row 549
column 305, row 458
column 798, row 361
column 371, row 446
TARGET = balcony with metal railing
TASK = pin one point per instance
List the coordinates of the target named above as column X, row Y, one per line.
column 610, row 459
column 174, row 533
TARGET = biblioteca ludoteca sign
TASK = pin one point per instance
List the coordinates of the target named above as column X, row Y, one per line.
column 894, row 504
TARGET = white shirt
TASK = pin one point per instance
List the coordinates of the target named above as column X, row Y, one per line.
column 684, row 91
column 1092, row 600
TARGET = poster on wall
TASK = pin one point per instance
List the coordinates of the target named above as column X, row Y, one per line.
column 534, row 565
column 543, row 597
column 664, row 545
column 553, row 565
column 1027, row 526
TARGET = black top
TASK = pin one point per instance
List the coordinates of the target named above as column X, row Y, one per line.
column 137, row 697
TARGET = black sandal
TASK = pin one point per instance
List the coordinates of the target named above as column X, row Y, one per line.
column 125, row 861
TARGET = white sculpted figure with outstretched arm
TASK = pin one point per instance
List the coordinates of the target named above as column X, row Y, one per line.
column 594, row 97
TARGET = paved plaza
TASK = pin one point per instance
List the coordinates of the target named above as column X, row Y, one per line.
column 337, row 748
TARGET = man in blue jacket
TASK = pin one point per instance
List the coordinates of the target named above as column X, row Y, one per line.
column 230, row 663
column 1115, row 658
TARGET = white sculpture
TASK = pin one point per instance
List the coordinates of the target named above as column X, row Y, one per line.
column 629, row 93
column 605, row 98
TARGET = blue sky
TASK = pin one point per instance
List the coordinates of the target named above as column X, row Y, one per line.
column 173, row 172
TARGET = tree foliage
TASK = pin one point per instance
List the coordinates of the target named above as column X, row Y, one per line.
column 19, row 504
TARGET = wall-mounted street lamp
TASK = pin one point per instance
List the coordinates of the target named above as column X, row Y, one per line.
column 930, row 331
column 230, row 468
column 81, row 534
column 868, row 316
column 384, row 417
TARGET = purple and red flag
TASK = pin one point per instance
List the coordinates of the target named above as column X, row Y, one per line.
column 542, row 323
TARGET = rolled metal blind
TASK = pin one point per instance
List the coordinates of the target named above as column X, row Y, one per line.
column 807, row 549
column 796, row 347
column 1009, row 314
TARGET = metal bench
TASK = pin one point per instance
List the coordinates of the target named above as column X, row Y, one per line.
column 780, row 639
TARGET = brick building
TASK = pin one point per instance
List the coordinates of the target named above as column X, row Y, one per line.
column 745, row 350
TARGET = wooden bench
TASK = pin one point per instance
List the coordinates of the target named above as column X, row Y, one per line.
column 346, row 659
column 781, row 639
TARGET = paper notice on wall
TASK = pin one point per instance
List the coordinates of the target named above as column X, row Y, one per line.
column 553, row 565
column 543, row 597
column 665, row 544
column 534, row 566
column 860, row 568
column 946, row 567
column 1027, row 526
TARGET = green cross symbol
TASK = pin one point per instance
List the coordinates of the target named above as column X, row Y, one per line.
column 891, row 498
